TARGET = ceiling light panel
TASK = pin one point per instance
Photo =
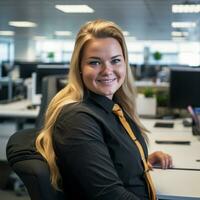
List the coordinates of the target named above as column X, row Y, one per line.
column 179, row 34
column 75, row 8
column 22, row 24
column 7, row 33
column 126, row 33
column 186, row 8
column 183, row 24
column 62, row 33
column 38, row 37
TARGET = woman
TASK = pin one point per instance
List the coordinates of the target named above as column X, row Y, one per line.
column 83, row 140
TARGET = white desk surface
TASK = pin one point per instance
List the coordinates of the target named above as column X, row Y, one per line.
column 18, row 109
column 176, row 184
column 184, row 156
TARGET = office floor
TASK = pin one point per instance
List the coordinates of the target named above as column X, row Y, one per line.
column 6, row 188
column 7, row 180
column 10, row 195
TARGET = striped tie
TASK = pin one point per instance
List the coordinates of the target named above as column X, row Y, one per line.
column 151, row 189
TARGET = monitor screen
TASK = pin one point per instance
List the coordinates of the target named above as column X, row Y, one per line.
column 149, row 71
column 184, row 87
column 26, row 69
column 47, row 70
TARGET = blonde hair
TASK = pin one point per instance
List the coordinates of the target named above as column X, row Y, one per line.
column 74, row 90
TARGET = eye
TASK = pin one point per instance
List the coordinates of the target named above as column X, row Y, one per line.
column 115, row 61
column 94, row 63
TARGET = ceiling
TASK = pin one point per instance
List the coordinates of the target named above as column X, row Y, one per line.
column 144, row 19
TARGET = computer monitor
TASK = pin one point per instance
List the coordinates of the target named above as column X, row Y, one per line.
column 149, row 71
column 26, row 69
column 184, row 87
column 47, row 70
column 5, row 68
column 42, row 71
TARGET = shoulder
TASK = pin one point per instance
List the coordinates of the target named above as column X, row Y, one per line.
column 82, row 111
column 78, row 116
column 77, row 121
column 75, row 111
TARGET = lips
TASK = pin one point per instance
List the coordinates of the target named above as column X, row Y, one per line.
column 106, row 80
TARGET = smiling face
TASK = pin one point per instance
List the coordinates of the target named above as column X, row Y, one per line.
column 103, row 67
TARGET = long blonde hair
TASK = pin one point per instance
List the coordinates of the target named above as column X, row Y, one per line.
column 74, row 90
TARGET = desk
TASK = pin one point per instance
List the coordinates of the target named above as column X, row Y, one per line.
column 176, row 184
column 18, row 109
column 9, row 82
column 18, row 112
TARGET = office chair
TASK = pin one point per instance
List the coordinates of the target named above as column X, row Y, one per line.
column 28, row 164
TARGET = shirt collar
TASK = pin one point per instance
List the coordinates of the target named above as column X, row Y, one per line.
column 102, row 101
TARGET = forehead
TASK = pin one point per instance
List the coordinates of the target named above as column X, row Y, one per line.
column 102, row 46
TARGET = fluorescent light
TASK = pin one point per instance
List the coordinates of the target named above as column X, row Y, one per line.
column 186, row 8
column 183, row 24
column 37, row 37
column 177, row 39
column 75, row 8
column 7, row 33
column 22, row 24
column 125, row 33
column 63, row 33
column 179, row 34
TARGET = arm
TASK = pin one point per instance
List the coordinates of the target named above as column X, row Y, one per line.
column 84, row 151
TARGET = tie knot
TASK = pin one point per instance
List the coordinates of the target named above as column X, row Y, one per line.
column 117, row 110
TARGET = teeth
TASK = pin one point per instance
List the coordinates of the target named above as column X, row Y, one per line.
column 107, row 80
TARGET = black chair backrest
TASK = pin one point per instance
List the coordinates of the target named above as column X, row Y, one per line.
column 50, row 86
column 30, row 166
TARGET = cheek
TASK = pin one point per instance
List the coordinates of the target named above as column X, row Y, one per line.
column 88, row 76
column 122, row 72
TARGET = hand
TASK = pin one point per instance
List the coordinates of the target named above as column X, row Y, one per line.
column 160, row 158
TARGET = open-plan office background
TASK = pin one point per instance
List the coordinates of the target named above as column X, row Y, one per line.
column 37, row 34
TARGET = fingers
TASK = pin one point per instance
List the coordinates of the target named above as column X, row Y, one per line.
column 165, row 160
column 161, row 158
column 150, row 166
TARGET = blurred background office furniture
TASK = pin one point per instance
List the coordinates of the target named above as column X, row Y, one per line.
column 30, row 166
column 17, row 115
column 184, row 87
column 50, row 86
column 22, row 114
column 6, row 82
column 23, row 109
column 42, row 70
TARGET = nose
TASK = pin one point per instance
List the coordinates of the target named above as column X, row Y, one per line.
column 107, row 68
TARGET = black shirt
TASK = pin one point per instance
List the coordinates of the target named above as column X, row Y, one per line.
column 96, row 157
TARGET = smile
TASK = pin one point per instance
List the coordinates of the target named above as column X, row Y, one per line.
column 106, row 80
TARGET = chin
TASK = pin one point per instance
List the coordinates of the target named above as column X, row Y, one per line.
column 108, row 94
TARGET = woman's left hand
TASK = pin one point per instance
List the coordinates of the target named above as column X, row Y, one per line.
column 160, row 158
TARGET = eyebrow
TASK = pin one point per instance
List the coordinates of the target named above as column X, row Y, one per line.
column 116, row 56
column 93, row 57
